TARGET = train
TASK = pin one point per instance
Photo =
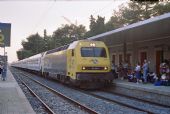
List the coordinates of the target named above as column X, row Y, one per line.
column 82, row 63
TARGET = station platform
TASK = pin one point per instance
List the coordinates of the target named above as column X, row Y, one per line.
column 148, row 92
column 12, row 99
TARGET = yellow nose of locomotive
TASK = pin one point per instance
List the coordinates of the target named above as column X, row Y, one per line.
column 94, row 65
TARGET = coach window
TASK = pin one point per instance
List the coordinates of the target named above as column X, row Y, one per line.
column 72, row 52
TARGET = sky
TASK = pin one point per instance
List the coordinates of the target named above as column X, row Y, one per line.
column 29, row 17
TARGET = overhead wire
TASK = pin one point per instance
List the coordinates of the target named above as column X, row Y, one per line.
column 43, row 16
column 84, row 21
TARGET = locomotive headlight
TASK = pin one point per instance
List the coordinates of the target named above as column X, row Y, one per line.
column 83, row 68
column 93, row 44
column 105, row 68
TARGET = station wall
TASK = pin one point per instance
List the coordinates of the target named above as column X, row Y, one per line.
column 154, row 50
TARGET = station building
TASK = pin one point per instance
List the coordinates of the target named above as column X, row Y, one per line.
column 148, row 39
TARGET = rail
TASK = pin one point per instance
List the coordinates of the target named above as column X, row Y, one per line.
column 89, row 110
column 49, row 110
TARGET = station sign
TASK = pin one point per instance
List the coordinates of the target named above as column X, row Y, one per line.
column 5, row 34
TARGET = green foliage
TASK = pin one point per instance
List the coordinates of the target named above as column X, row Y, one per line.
column 136, row 11
column 35, row 43
column 67, row 34
column 97, row 26
column 64, row 35
column 47, row 41
column 24, row 54
column 161, row 8
column 114, row 22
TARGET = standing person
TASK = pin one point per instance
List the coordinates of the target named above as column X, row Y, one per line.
column 125, row 69
column 145, row 68
column 165, row 79
column 137, row 72
column 114, row 69
column 120, row 71
column 0, row 69
column 4, row 71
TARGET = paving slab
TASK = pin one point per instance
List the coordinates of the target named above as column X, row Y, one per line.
column 12, row 99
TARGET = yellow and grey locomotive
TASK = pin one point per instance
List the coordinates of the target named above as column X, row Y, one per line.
column 83, row 63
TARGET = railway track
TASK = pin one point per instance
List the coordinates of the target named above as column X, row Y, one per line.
column 155, row 108
column 118, row 102
column 104, row 107
column 48, row 109
column 138, row 99
column 83, row 107
column 133, row 105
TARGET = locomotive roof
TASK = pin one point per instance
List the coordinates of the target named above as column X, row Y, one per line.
column 73, row 45
column 35, row 56
column 57, row 49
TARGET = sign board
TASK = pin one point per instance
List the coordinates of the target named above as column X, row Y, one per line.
column 1, row 39
column 5, row 34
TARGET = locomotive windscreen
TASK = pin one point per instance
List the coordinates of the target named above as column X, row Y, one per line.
column 93, row 52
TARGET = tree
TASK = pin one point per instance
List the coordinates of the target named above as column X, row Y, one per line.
column 161, row 8
column 125, row 15
column 48, row 42
column 92, row 25
column 114, row 22
column 22, row 54
column 67, row 34
column 97, row 26
column 34, row 43
column 136, row 11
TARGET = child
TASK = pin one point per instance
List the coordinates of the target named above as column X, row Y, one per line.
column 131, row 77
column 152, row 77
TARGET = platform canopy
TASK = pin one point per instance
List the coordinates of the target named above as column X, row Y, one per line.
column 5, row 34
column 150, row 29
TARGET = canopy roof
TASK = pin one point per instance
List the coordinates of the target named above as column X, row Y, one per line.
column 153, row 28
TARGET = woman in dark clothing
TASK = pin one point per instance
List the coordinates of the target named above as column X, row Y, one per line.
column 0, row 69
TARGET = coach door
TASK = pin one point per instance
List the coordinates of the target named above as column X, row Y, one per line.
column 159, row 58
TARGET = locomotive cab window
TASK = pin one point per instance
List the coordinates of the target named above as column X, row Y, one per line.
column 93, row 52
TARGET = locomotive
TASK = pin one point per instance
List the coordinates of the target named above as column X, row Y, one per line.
column 82, row 63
